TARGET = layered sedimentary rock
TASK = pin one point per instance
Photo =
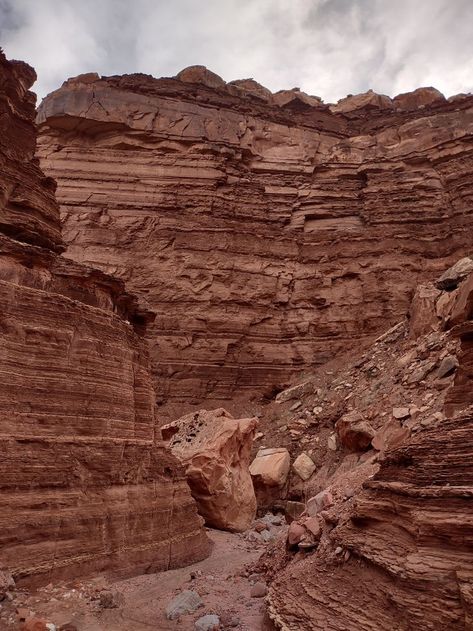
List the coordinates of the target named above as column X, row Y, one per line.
column 268, row 231
column 84, row 484
column 396, row 550
column 410, row 538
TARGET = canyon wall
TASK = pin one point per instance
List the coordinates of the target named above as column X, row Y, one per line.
column 268, row 231
column 85, row 483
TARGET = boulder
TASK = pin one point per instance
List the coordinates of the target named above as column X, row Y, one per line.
column 202, row 76
column 295, row 533
column 185, row 602
column 448, row 365
column 401, row 413
column 293, row 510
column 215, row 449
column 354, row 432
column 392, row 434
column 210, row 622
column 304, row 466
column 319, row 502
column 271, row 466
column 295, row 392
column 418, row 98
column 252, row 87
column 455, row 274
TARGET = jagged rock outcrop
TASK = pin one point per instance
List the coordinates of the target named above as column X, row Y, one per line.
column 215, row 449
column 84, row 484
column 396, row 544
column 269, row 232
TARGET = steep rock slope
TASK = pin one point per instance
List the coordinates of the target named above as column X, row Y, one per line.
column 84, row 483
column 269, row 232
column 396, row 545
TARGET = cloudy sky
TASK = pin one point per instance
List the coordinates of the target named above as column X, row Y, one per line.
column 329, row 48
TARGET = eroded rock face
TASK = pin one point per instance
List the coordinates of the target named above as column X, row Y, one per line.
column 84, row 484
column 268, row 233
column 215, row 450
column 411, row 545
column 395, row 550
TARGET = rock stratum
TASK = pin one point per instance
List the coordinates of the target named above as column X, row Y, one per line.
column 396, row 521
column 268, row 231
column 85, row 484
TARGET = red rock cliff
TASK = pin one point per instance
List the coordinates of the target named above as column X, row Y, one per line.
column 268, row 231
column 85, row 485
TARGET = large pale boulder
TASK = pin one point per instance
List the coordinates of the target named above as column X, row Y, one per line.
column 269, row 471
column 215, row 450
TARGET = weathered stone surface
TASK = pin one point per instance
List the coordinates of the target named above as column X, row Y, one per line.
column 28, row 209
column 354, row 432
column 271, row 466
column 422, row 313
column 319, row 502
column 448, row 365
column 391, row 435
column 84, row 485
column 215, row 450
column 455, row 274
column 269, row 235
column 210, row 622
column 304, row 466
column 185, row 602
column 412, row 538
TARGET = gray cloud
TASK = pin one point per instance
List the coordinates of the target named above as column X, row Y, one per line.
column 326, row 47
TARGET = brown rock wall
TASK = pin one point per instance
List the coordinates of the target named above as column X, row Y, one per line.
column 85, row 486
column 267, row 237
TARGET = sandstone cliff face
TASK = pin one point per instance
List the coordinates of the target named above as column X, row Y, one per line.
column 84, row 484
column 268, row 231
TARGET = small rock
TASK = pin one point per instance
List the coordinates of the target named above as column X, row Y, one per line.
column 7, row 583
column 317, row 410
column 111, row 600
column 258, row 590
column 338, row 550
column 266, row 536
column 293, row 510
column 258, row 436
column 304, row 466
column 313, row 526
column 259, row 526
column 332, row 442
column 295, row 533
column 295, row 406
column 319, row 502
column 401, row 413
column 210, row 622
column 185, row 602
column 346, row 556
column 448, row 365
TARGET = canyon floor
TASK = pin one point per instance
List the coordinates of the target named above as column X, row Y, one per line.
column 223, row 581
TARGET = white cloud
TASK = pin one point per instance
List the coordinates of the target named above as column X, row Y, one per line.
column 327, row 47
